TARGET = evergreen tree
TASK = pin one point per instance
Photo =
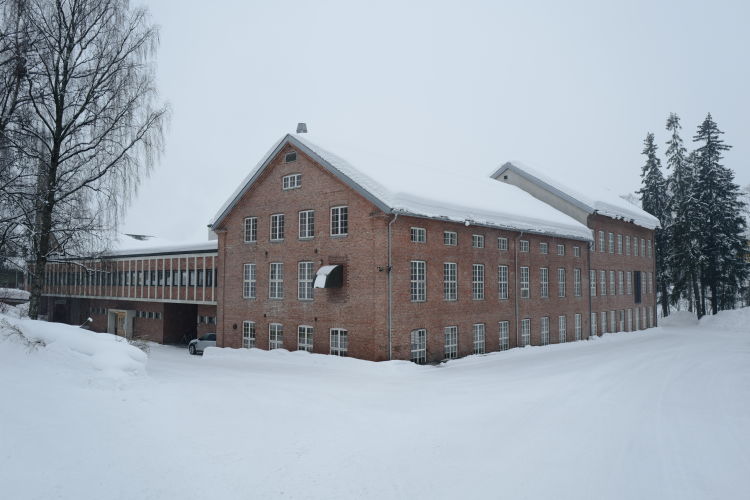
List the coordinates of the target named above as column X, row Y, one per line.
column 653, row 194
column 720, row 225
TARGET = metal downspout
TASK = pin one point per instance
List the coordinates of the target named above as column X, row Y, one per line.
column 390, row 291
column 517, row 280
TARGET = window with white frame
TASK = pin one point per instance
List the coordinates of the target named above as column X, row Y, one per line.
column 339, row 221
column 602, row 283
column 523, row 277
column 248, row 281
column 451, row 342
column 635, row 246
column 418, row 234
column 576, row 251
column 627, row 244
column 277, row 227
column 629, row 275
column 562, row 329
column 525, row 332
column 603, row 321
column 306, row 224
column 419, row 346
column 612, row 289
column 276, row 280
column 523, row 246
column 560, row 249
column 650, row 317
column 592, row 282
column 275, row 336
column 305, row 277
column 643, row 286
column 543, row 248
column 612, row 322
column 644, row 318
column 621, row 320
column 611, row 242
column 291, row 181
column 477, row 281
column 637, row 318
column 619, row 244
column 502, row 281
column 650, row 282
column 543, row 282
column 577, row 326
column 643, row 247
column 478, row 338
column 502, row 244
column 305, row 338
column 248, row 334
column 648, row 247
column 450, row 281
column 561, row 282
column 620, row 283
column 339, row 342
column 504, row 330
column 545, row 330
column 593, row 324
column 577, row 282
column 418, row 277
column 450, row 238
column 477, row 241
column 601, row 241
column 251, row 229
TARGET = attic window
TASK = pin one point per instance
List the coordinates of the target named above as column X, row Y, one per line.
column 505, row 177
column 329, row 277
column 290, row 157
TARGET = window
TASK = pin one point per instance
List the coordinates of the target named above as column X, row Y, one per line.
column 543, row 282
column 292, row 181
column 450, row 281
column 418, row 235
column 603, row 283
column 248, row 282
column 621, row 320
column 305, row 338
column 637, row 318
column 612, row 322
column 477, row 281
column 576, row 251
column 562, row 328
column 504, row 335
column 648, row 247
column 592, row 282
column 450, row 238
column 478, row 338
column 561, row 282
column 543, row 248
column 560, row 249
column 275, row 336
column 627, row 244
column 619, row 244
column 251, row 229
column 620, row 283
column 601, row 241
column 502, row 278
column 578, row 327
column 630, row 320
column 650, row 282
column 650, row 317
column 523, row 276
column 248, row 334
column 635, row 246
column 305, row 277
column 339, row 221
column 290, row 157
column 577, row 282
column 612, row 288
column 276, row 281
column 419, row 346
column 523, row 246
column 630, row 282
column 545, row 330
column 477, row 241
column 611, row 242
column 502, row 244
column 451, row 342
column 593, row 324
column 306, row 224
column 339, row 342
column 643, row 247
column 277, row 227
column 418, row 281
column 525, row 332
column 603, row 322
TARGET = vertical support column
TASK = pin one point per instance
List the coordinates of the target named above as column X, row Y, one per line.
column 195, row 279
column 213, row 277
column 171, row 276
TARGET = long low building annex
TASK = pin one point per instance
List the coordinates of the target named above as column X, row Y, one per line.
column 351, row 254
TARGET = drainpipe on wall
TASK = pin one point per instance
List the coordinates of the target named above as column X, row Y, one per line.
column 390, row 290
column 518, row 288
column 588, row 255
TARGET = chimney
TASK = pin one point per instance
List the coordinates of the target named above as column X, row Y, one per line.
column 302, row 128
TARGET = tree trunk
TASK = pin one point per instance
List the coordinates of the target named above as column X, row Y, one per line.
column 696, row 296
column 664, row 300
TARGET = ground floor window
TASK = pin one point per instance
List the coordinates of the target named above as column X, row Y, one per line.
column 478, row 337
column 419, row 346
column 525, row 332
column 275, row 336
column 305, row 338
column 504, row 335
column 562, row 328
column 603, row 323
column 451, row 342
column 339, row 342
column 578, row 327
column 650, row 317
column 630, row 320
column 593, row 324
column 612, row 327
column 545, row 330
column 637, row 317
column 248, row 334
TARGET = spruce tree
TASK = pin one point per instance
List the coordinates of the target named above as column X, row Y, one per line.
column 653, row 194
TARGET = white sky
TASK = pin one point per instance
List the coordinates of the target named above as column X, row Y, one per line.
column 569, row 87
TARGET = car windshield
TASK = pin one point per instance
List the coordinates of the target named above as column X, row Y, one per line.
column 209, row 336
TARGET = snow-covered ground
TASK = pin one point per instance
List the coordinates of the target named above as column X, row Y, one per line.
column 658, row 414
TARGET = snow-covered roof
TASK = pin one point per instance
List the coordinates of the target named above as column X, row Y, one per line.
column 604, row 202
column 424, row 191
column 129, row 244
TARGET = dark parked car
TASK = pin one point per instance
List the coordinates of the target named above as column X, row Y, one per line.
column 197, row 346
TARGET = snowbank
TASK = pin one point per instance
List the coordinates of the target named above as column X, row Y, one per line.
column 107, row 355
column 679, row 319
column 735, row 320
column 14, row 293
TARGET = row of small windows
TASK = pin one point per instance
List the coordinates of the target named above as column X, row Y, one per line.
column 305, row 279
column 617, row 243
column 97, row 310
column 418, row 281
column 192, row 277
column 643, row 318
column 450, row 238
column 339, row 225
column 148, row 314
column 206, row 320
column 621, row 282
column 418, row 337
column 338, row 338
